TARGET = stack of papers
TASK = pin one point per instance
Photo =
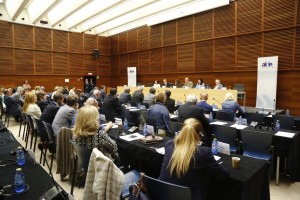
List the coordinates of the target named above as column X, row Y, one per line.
column 173, row 116
column 285, row 134
column 218, row 123
column 114, row 125
column 238, row 126
column 131, row 137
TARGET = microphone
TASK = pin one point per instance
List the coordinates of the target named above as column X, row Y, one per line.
column 217, row 101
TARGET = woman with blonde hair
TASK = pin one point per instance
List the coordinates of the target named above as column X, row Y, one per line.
column 30, row 107
column 189, row 164
column 230, row 105
column 86, row 133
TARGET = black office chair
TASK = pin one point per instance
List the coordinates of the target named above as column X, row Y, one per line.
column 134, row 104
column 52, row 143
column 286, row 121
column 134, row 118
column 256, row 117
column 33, row 132
column 160, row 190
column 152, row 122
column 41, row 131
column 175, row 126
column 239, row 87
column 25, row 123
column 225, row 116
column 81, row 163
column 227, row 135
column 145, row 104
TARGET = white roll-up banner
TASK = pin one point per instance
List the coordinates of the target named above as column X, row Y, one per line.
column 131, row 73
column 267, row 68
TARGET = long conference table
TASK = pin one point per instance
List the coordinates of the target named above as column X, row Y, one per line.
column 250, row 181
column 180, row 94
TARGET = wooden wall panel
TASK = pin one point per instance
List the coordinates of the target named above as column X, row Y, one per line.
column 89, row 43
column 248, row 50
column 297, row 49
column 298, row 14
column 169, row 33
column 114, row 44
column 123, row 64
column 6, row 34
column 115, row 68
column 75, row 42
column 123, row 43
column 224, row 58
column 203, row 25
column 224, row 21
column 280, row 43
column 60, row 63
column 42, row 39
column 90, row 64
column 104, row 63
column 185, row 29
column 204, row 56
column 132, row 40
column 156, row 60
column 249, row 16
column 43, row 62
column 170, row 59
column 133, row 60
column 156, row 36
column 6, row 61
column 143, row 38
column 143, row 67
column 103, row 45
column 75, row 64
column 278, row 13
column 23, row 36
column 24, row 61
column 186, row 60
column 60, row 41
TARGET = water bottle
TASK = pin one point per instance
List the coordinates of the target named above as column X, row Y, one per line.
column 287, row 112
column 125, row 124
column 145, row 132
column 211, row 117
column 277, row 125
column 19, row 181
column 241, row 120
column 20, row 156
column 214, row 146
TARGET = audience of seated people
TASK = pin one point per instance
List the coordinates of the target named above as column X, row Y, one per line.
column 150, row 97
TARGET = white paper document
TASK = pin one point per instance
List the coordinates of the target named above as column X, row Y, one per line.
column 238, row 126
column 219, row 123
column 114, row 125
column 131, row 137
column 134, row 109
column 160, row 150
column 217, row 157
column 223, row 148
column 285, row 134
column 173, row 116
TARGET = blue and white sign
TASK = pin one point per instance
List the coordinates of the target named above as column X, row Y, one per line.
column 131, row 74
column 267, row 68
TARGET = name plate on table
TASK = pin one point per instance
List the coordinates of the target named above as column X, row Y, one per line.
column 285, row 134
column 150, row 129
column 223, row 148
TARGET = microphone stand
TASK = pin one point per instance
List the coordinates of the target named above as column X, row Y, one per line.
column 217, row 101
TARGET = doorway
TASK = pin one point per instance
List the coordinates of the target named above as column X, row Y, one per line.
column 89, row 82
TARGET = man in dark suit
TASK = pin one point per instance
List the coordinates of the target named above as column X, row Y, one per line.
column 111, row 106
column 125, row 97
column 203, row 104
column 190, row 110
column 50, row 111
column 169, row 103
column 138, row 95
column 165, row 84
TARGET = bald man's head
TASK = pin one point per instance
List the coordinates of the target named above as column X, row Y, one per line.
column 204, row 96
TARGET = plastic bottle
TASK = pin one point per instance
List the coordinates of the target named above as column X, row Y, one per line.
column 125, row 124
column 277, row 125
column 20, row 156
column 211, row 117
column 287, row 112
column 214, row 146
column 19, row 181
column 145, row 132
column 241, row 120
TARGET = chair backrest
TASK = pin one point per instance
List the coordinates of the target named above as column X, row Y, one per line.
column 225, row 134
column 226, row 116
column 83, row 156
column 152, row 122
column 30, row 121
column 41, row 130
column 132, row 103
column 160, row 190
column 256, row 141
column 134, row 118
column 256, row 117
column 286, row 121
column 239, row 87
column 145, row 104
column 50, row 132
column 175, row 126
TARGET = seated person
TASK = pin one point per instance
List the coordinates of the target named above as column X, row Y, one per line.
column 189, row 164
column 165, row 84
column 150, row 98
column 218, row 85
column 178, row 83
column 138, row 95
column 12, row 106
column 169, row 102
column 111, row 106
column 86, row 133
column 188, row 83
column 230, row 105
column 159, row 112
column 125, row 97
column 50, row 111
column 202, row 103
column 42, row 101
column 200, row 84
column 156, row 84
column 30, row 107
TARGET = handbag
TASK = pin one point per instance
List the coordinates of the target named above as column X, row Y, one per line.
column 138, row 191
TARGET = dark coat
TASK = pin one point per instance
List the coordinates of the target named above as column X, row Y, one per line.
column 111, row 107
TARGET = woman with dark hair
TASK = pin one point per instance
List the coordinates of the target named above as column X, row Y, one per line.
column 42, row 101
column 189, row 164
column 200, row 84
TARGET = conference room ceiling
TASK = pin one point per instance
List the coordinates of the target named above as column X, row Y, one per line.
column 102, row 17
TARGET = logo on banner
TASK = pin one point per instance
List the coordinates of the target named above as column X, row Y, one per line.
column 267, row 64
column 131, row 71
